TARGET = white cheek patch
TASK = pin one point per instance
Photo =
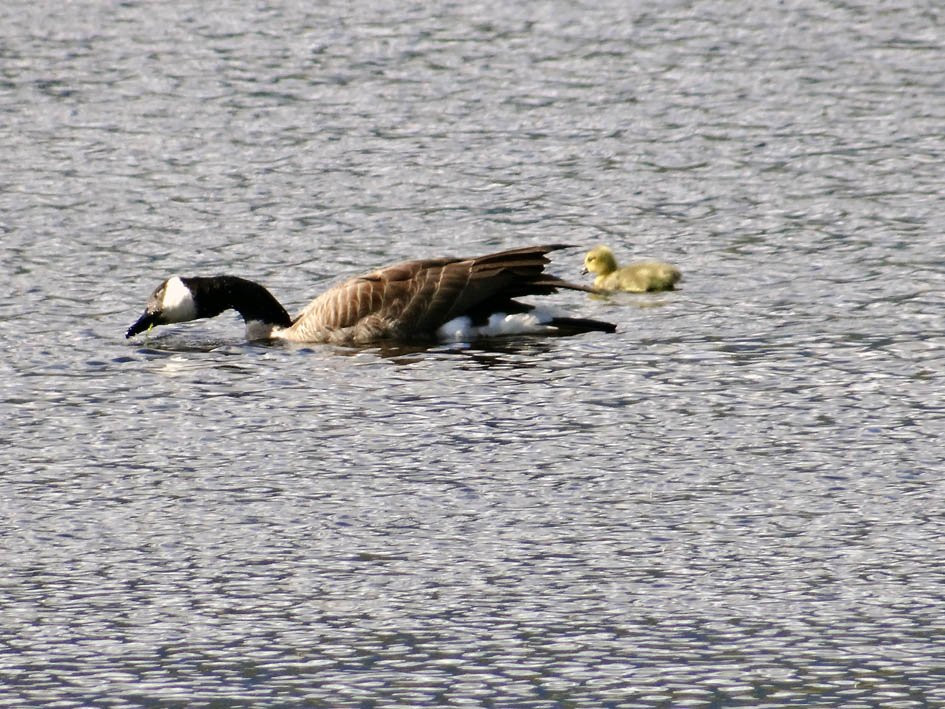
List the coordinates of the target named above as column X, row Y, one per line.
column 177, row 305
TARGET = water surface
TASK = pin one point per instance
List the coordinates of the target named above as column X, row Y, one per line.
column 735, row 500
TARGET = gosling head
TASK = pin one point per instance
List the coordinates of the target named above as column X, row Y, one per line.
column 171, row 302
column 599, row 260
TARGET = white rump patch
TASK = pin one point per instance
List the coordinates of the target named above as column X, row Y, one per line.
column 177, row 305
column 531, row 323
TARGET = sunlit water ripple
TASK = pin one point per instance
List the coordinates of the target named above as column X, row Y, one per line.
column 736, row 500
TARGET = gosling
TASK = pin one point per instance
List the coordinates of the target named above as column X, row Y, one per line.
column 641, row 277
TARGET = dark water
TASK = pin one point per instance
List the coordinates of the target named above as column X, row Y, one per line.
column 737, row 500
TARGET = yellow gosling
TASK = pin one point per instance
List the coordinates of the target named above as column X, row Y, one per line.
column 640, row 277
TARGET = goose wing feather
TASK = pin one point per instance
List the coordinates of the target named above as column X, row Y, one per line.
column 416, row 297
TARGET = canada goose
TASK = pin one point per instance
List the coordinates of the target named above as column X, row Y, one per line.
column 444, row 298
column 637, row 277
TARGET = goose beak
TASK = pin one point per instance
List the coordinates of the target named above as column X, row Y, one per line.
column 584, row 271
column 146, row 321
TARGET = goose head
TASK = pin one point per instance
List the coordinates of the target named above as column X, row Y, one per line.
column 171, row 302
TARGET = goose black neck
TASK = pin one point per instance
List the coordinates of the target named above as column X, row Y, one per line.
column 215, row 294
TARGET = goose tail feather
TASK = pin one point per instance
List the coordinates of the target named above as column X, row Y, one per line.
column 576, row 326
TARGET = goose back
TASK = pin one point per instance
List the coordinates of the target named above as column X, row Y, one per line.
column 414, row 298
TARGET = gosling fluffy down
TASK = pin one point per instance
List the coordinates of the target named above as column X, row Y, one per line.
column 640, row 277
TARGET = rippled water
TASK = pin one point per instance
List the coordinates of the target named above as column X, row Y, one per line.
column 737, row 500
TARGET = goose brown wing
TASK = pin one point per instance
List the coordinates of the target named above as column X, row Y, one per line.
column 389, row 302
column 414, row 298
column 439, row 290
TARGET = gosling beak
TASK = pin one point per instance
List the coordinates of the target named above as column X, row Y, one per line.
column 146, row 321
column 584, row 271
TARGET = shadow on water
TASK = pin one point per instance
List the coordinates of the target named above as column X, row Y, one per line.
column 495, row 352
column 636, row 300
column 492, row 352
